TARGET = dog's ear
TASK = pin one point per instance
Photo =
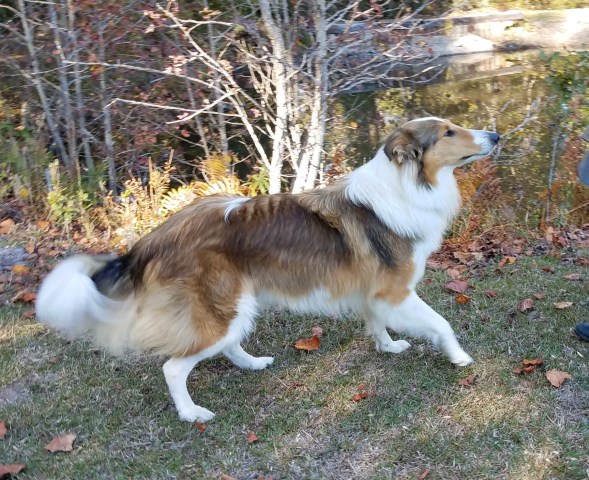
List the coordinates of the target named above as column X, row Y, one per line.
column 401, row 146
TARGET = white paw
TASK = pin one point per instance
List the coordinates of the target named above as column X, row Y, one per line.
column 195, row 413
column 393, row 346
column 259, row 363
column 461, row 359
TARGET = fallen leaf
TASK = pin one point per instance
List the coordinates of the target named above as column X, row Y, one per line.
column 467, row 381
column 506, row 260
column 24, row 296
column 557, row 377
column 461, row 299
column 201, row 426
column 29, row 313
column 491, row 293
column 3, row 430
column 539, row 296
column 251, row 437
column 424, row 474
column 317, row 332
column 533, row 361
column 6, row 225
column 563, row 305
column 30, row 248
column 525, row 305
column 53, row 360
column 43, row 224
column 227, row 477
column 573, row 276
column 10, row 469
column 20, row 269
column 528, row 369
column 453, row 273
column 549, row 269
column 458, row 286
column 307, row 344
column 61, row 443
column 359, row 396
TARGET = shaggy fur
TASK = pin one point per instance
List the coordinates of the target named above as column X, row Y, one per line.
column 192, row 287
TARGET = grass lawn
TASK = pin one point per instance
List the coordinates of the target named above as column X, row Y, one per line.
column 419, row 424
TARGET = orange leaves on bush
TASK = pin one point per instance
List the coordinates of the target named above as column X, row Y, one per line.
column 308, row 344
column 461, row 299
column 11, row 469
column 458, row 286
column 525, row 305
column 251, row 437
column 557, row 377
column 61, row 443
column 562, row 305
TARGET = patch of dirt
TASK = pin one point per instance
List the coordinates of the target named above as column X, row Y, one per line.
column 20, row 390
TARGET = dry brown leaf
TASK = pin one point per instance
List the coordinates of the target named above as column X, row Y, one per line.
column 11, row 469
column 6, row 225
column 562, row 305
column 467, row 381
column 19, row 269
column 557, row 377
column 453, row 273
column 549, row 269
column 201, row 426
column 506, row 260
column 43, row 224
column 424, row 474
column 491, row 293
column 24, row 296
column 533, row 361
column 61, row 443
column 30, row 248
column 528, row 369
column 359, row 396
column 458, row 286
column 227, row 477
column 251, row 437
column 307, row 344
column 539, row 296
column 29, row 313
column 525, row 305
column 574, row 277
column 461, row 299
column 3, row 430
column 317, row 332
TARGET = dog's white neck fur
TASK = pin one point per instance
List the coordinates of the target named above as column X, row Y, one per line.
column 407, row 208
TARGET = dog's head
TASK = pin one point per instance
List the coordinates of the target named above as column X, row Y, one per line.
column 432, row 144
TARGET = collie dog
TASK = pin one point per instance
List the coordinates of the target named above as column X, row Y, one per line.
column 192, row 287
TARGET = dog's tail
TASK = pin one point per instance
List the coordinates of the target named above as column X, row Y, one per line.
column 89, row 295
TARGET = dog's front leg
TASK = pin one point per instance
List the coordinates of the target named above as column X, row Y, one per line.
column 416, row 318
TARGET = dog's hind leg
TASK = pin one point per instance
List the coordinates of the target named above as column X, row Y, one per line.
column 176, row 371
column 416, row 318
column 242, row 359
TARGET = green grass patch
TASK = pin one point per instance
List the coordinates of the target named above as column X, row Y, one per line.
column 505, row 426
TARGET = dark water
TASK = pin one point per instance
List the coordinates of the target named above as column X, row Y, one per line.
column 495, row 92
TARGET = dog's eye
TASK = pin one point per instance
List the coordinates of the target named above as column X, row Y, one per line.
column 450, row 133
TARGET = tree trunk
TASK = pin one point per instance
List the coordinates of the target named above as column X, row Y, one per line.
column 106, row 117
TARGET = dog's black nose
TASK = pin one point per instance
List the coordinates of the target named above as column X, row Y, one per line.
column 495, row 137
